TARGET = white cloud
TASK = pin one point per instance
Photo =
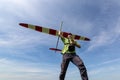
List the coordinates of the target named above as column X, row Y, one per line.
column 14, row 66
column 104, row 72
column 13, row 35
column 106, row 37
column 17, row 70
column 109, row 62
column 33, row 10
column 111, row 70
column 19, row 7
column 81, row 26
column 24, row 40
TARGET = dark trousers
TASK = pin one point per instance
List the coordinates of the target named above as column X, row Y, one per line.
column 75, row 59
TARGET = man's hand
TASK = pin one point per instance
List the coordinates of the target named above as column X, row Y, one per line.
column 59, row 33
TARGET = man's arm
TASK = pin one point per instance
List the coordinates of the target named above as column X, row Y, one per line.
column 60, row 35
column 76, row 44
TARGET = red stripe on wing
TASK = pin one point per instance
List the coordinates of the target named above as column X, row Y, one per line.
column 65, row 34
column 38, row 28
column 77, row 37
column 52, row 31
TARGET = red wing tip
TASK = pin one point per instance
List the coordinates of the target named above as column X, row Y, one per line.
column 23, row 24
column 87, row 39
column 54, row 49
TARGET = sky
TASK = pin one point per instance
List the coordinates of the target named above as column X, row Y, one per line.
column 25, row 54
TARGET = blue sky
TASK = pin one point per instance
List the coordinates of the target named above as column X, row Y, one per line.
column 25, row 54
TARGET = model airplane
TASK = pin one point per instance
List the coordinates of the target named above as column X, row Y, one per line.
column 53, row 32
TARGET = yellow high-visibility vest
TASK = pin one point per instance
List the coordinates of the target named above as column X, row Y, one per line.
column 66, row 42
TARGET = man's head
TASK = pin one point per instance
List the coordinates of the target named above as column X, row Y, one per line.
column 70, row 36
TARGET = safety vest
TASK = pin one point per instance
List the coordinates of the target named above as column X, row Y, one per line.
column 67, row 47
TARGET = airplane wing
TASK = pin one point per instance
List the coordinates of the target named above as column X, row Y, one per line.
column 52, row 31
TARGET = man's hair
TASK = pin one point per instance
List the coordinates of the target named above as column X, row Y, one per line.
column 69, row 33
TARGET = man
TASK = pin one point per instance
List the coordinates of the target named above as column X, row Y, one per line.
column 69, row 54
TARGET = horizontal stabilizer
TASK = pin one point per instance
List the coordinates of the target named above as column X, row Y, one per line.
column 54, row 49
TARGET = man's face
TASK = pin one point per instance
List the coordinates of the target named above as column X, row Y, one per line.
column 70, row 36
